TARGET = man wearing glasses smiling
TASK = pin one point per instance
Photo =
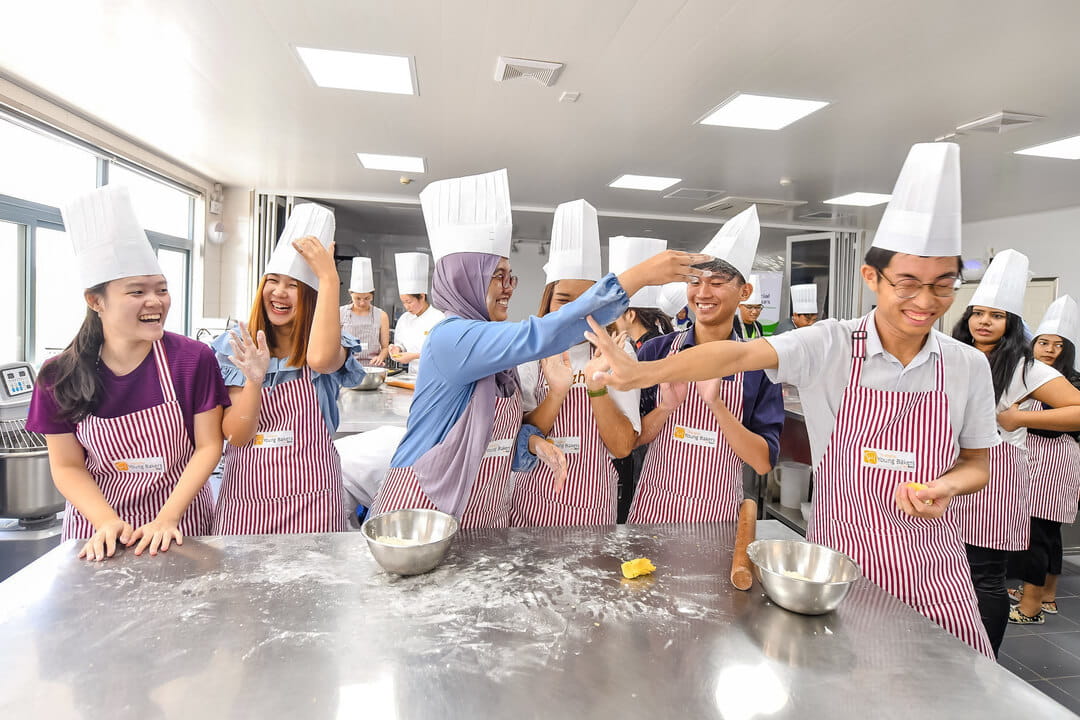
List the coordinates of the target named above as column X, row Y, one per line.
column 900, row 416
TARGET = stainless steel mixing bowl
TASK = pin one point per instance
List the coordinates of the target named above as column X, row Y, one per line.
column 431, row 530
column 801, row 576
column 373, row 378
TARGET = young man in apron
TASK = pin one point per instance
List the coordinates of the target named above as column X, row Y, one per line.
column 888, row 401
column 700, row 434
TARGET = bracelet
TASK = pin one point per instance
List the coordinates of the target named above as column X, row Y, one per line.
column 597, row 393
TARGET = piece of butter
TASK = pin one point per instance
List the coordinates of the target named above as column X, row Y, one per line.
column 639, row 566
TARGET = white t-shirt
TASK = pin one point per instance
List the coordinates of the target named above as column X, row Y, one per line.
column 817, row 359
column 625, row 400
column 412, row 330
column 1038, row 374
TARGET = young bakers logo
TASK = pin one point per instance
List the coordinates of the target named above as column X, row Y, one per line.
column 889, row 460
column 140, row 465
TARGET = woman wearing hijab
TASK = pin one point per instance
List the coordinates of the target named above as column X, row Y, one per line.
column 131, row 413
column 362, row 320
column 465, row 418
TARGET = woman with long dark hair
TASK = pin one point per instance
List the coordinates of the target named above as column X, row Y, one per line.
column 996, row 520
column 131, row 413
column 1054, row 462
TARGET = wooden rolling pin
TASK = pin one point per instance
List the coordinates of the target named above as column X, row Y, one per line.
column 741, row 575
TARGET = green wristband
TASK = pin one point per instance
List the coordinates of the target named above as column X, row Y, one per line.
column 597, row 393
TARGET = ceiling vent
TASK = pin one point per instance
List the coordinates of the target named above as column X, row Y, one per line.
column 733, row 205
column 999, row 122
column 545, row 73
column 696, row 194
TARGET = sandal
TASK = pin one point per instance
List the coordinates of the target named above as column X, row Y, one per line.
column 1018, row 618
column 1050, row 607
column 1015, row 594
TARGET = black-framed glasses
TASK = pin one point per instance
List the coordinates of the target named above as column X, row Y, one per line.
column 752, row 308
column 910, row 287
column 506, row 280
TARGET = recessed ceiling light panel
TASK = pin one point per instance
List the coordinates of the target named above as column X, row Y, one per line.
column 860, row 199
column 761, row 112
column 1066, row 149
column 360, row 71
column 643, row 182
column 399, row 163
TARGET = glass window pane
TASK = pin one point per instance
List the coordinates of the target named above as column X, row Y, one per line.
column 158, row 206
column 59, row 304
column 43, row 169
column 174, row 264
column 11, row 297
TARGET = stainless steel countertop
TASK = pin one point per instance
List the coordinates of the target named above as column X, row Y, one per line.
column 528, row 623
column 363, row 410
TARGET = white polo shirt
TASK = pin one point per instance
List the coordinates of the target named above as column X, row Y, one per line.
column 817, row 360
column 1022, row 385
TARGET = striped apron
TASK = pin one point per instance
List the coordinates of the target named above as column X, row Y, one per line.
column 921, row 562
column 999, row 516
column 489, row 499
column 137, row 459
column 591, row 493
column 1055, row 477
column 690, row 473
column 287, row 478
column 366, row 329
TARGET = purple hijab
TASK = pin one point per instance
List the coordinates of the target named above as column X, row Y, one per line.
column 446, row 472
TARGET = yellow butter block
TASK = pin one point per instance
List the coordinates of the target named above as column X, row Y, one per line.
column 634, row 568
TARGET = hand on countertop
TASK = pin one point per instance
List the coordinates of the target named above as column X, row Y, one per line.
column 102, row 544
column 158, row 533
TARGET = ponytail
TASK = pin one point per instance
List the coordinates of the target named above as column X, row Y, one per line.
column 73, row 373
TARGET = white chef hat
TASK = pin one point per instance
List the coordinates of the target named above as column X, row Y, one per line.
column 109, row 243
column 804, row 299
column 468, row 214
column 1061, row 318
column 624, row 253
column 306, row 219
column 923, row 216
column 672, row 298
column 736, row 242
column 361, row 280
column 575, row 243
column 1004, row 283
column 412, row 272
column 755, row 296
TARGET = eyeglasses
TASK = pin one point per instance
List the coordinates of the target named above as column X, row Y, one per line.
column 752, row 308
column 507, row 281
column 909, row 287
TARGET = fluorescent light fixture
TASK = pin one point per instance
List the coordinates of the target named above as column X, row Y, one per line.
column 861, row 199
column 1067, row 149
column 360, row 71
column 643, row 182
column 761, row 112
column 401, row 163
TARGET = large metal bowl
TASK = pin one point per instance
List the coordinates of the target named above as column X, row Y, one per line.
column 430, row 529
column 373, row 378
column 829, row 574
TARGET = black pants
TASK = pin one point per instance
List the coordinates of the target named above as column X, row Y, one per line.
column 988, row 569
column 1042, row 558
column 629, row 469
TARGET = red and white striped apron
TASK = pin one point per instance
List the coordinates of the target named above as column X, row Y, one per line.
column 137, row 459
column 920, row 561
column 591, row 493
column 489, row 499
column 287, row 479
column 690, row 473
column 1055, row 477
column 999, row 516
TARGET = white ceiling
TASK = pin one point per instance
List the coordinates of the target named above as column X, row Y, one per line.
column 216, row 85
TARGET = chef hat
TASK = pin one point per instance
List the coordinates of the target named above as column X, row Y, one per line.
column 306, row 219
column 736, row 242
column 672, row 298
column 468, row 214
column 755, row 296
column 412, row 272
column 1061, row 318
column 109, row 243
column 1004, row 283
column 361, row 280
column 804, row 299
column 575, row 243
column 624, row 253
column 923, row 216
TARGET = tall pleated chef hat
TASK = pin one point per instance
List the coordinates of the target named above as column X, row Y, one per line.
column 804, row 299
column 624, row 253
column 1061, row 318
column 672, row 298
column 412, row 272
column 109, row 243
column 755, row 296
column 575, row 243
column 923, row 216
column 736, row 242
column 468, row 214
column 1004, row 283
column 361, row 280
column 306, row 219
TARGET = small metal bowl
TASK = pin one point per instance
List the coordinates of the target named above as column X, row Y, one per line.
column 432, row 530
column 829, row 574
column 373, row 378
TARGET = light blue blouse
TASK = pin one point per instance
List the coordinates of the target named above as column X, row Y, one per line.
column 326, row 386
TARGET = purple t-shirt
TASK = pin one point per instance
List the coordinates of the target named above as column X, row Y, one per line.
column 195, row 376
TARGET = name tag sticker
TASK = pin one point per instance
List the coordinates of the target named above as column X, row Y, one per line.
column 282, row 438
column 569, row 445
column 695, row 436
column 141, row 465
column 890, row 460
column 499, row 448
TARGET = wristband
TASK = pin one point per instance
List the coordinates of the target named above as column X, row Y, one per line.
column 597, row 393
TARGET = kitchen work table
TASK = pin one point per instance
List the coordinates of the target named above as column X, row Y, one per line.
column 363, row 410
column 525, row 623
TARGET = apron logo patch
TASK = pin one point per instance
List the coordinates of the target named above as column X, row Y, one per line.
column 869, row 457
column 680, row 433
column 499, row 448
column 695, row 436
column 569, row 445
column 895, row 460
column 140, row 465
column 282, row 438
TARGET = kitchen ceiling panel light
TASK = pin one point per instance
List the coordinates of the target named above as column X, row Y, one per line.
column 643, row 182
column 400, row 163
column 1066, row 149
column 367, row 72
column 860, row 199
column 761, row 112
